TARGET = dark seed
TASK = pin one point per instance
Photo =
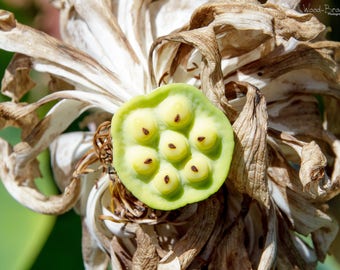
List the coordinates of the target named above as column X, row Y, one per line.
column 200, row 139
column 177, row 118
column 194, row 168
column 145, row 131
column 166, row 179
column 148, row 161
column 172, row 146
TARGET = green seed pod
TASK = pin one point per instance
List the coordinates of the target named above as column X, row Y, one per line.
column 171, row 147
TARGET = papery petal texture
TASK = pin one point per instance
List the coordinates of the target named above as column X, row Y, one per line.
column 267, row 66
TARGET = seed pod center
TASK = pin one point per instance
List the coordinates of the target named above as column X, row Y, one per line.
column 172, row 146
column 177, row 118
column 200, row 138
column 194, row 168
column 148, row 161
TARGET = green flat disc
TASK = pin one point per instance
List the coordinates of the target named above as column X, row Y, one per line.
column 171, row 147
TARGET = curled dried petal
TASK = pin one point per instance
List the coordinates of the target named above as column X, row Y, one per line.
column 312, row 172
column 7, row 21
column 232, row 253
column 188, row 247
column 249, row 163
column 94, row 257
column 26, row 193
column 145, row 256
column 16, row 81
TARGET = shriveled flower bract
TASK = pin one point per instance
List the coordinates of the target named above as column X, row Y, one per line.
column 266, row 66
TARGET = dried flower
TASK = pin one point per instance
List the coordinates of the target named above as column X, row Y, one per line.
column 266, row 66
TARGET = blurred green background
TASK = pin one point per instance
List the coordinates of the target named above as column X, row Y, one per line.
column 29, row 240
column 33, row 241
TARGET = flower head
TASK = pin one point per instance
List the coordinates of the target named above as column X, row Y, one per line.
column 266, row 66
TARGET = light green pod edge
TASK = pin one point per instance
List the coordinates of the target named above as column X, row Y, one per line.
column 171, row 147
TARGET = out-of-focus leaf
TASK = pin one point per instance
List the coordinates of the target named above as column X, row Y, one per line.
column 23, row 232
column 329, row 264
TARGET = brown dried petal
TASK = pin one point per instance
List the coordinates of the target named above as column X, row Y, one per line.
column 332, row 119
column 117, row 250
column 290, row 23
column 57, row 58
column 332, row 187
column 279, row 167
column 16, row 81
column 9, row 117
column 231, row 252
column 145, row 256
column 297, row 116
column 306, row 218
column 249, row 163
column 56, row 84
column 324, row 237
column 21, row 187
column 316, row 60
column 288, row 256
column 312, row 162
column 93, row 256
column 293, row 4
column 189, row 246
column 312, row 169
column 65, row 152
column 210, row 72
column 7, row 21
column 239, row 27
column 79, row 27
column 287, row 23
column 46, row 130
column 268, row 254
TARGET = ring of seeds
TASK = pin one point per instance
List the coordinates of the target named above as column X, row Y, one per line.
column 171, row 147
